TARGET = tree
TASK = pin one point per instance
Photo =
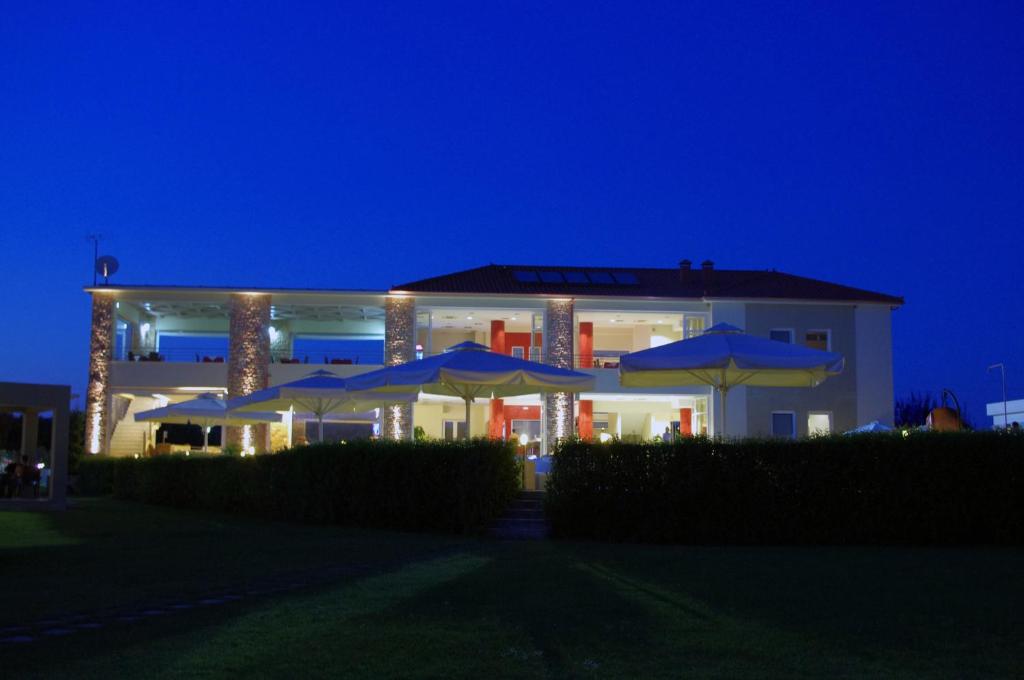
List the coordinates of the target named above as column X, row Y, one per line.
column 913, row 410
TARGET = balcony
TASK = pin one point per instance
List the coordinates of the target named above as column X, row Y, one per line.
column 170, row 376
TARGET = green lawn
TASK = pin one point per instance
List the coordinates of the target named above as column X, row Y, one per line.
column 429, row 606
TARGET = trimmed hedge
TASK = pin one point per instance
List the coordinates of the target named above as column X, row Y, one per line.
column 929, row 488
column 93, row 476
column 450, row 487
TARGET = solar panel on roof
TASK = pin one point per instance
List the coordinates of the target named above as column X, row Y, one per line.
column 628, row 278
column 525, row 276
column 552, row 277
column 576, row 277
column 600, row 277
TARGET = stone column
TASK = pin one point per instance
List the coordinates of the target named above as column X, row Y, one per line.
column 248, row 360
column 558, row 351
column 399, row 347
column 101, row 351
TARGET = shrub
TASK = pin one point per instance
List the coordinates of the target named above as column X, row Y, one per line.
column 929, row 488
column 451, row 487
column 94, row 476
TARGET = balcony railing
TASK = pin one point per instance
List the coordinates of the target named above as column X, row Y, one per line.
column 607, row 359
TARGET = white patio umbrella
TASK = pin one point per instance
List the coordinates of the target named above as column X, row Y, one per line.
column 725, row 357
column 206, row 410
column 320, row 393
column 469, row 370
column 872, row 427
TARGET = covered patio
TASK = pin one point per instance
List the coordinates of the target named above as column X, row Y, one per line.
column 34, row 478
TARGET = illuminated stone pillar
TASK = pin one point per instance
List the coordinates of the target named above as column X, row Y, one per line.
column 496, row 424
column 248, row 360
column 558, row 351
column 101, row 351
column 399, row 347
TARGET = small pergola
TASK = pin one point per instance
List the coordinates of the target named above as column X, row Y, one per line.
column 30, row 400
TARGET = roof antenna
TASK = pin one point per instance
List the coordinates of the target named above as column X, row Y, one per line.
column 95, row 238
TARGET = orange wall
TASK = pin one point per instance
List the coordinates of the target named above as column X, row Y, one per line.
column 685, row 422
column 586, row 421
column 586, row 344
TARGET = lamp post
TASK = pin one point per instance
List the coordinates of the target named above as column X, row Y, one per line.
column 1002, row 370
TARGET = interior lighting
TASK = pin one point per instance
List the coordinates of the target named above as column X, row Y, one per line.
column 604, row 437
column 524, row 439
column 40, row 466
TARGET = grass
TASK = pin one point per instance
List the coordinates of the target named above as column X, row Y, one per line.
column 432, row 606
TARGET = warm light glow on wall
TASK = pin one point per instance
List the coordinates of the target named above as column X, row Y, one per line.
column 395, row 421
column 558, row 351
column 399, row 347
column 101, row 351
column 248, row 358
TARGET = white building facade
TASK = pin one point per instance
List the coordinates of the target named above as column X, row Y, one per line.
column 154, row 344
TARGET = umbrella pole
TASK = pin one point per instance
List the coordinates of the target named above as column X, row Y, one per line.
column 469, row 402
column 206, row 436
column 724, row 391
column 320, row 427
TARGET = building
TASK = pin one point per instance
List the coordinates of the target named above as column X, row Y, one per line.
column 151, row 344
column 1004, row 414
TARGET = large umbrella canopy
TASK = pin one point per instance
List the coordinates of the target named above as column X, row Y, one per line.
column 206, row 410
column 320, row 393
column 725, row 357
column 873, row 427
column 469, row 370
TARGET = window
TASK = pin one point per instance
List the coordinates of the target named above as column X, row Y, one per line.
column 600, row 277
column 693, row 326
column 818, row 339
column 784, row 424
column 186, row 346
column 517, row 352
column 525, row 276
column 576, row 277
column 781, row 335
column 356, row 349
column 552, row 277
column 819, row 423
column 122, row 341
column 454, row 429
column 535, row 354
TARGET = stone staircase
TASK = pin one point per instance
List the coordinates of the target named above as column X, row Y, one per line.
column 129, row 435
column 524, row 519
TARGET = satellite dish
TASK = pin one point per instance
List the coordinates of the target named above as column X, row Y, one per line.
column 106, row 266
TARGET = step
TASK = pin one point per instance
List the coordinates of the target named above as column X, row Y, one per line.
column 524, row 513
column 520, row 529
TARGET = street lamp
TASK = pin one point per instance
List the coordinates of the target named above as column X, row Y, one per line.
column 1002, row 370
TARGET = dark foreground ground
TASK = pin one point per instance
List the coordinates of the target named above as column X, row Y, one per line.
column 113, row 589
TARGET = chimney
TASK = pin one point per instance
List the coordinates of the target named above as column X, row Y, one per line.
column 707, row 270
column 684, row 271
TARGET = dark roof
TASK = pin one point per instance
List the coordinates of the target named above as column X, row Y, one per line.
column 495, row 279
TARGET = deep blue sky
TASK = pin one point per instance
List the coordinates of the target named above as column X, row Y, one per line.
column 300, row 145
